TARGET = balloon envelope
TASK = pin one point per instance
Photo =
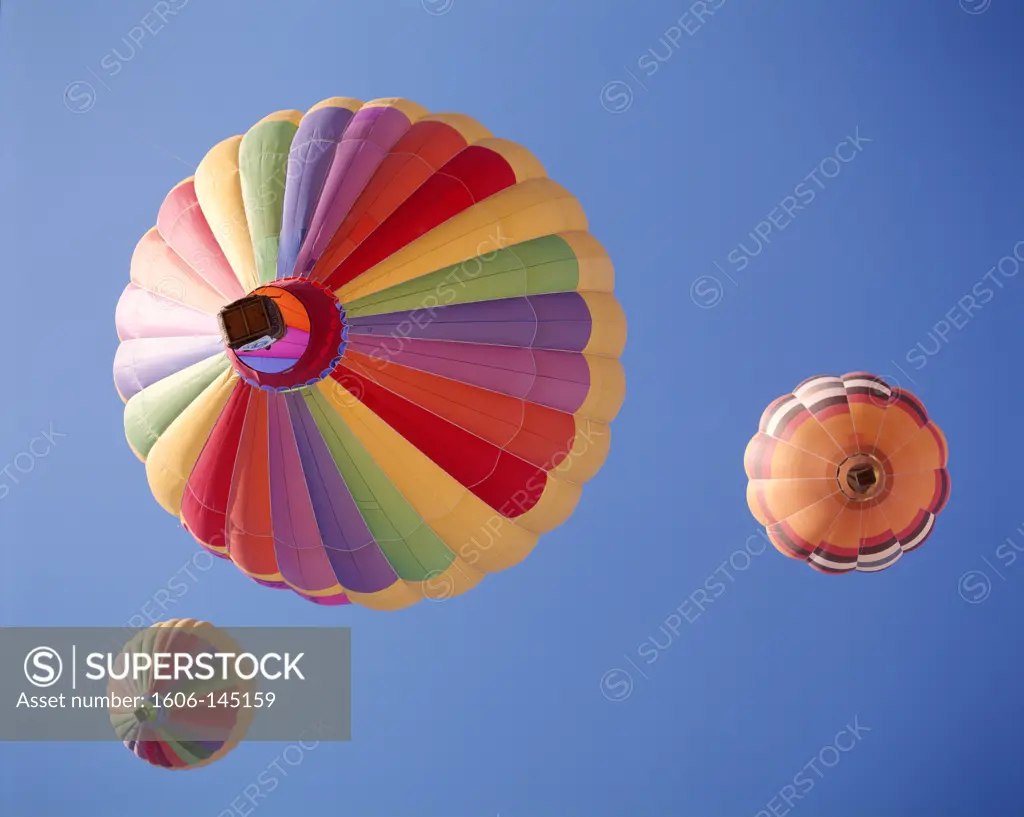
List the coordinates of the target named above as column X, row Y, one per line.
column 447, row 374
column 847, row 473
column 177, row 722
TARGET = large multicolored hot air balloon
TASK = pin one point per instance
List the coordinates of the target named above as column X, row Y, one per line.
column 182, row 723
column 847, row 473
column 369, row 352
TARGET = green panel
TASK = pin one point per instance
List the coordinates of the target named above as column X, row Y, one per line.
column 189, row 751
column 537, row 267
column 263, row 167
column 148, row 414
column 124, row 725
column 412, row 549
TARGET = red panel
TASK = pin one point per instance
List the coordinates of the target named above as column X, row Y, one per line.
column 505, row 482
column 540, row 435
column 424, row 149
column 205, row 500
column 473, row 175
column 251, row 532
column 159, row 754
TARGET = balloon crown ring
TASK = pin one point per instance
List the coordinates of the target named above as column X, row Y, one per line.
column 861, row 477
column 145, row 713
column 286, row 335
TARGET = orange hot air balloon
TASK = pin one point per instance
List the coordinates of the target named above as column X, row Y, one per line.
column 847, row 473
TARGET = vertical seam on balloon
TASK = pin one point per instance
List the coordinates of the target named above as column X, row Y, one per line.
column 320, row 192
column 298, row 421
column 220, row 250
column 814, row 416
column 369, row 205
column 382, row 506
column 818, row 546
column 434, row 172
column 364, row 143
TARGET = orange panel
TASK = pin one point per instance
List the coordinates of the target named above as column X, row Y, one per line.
column 294, row 313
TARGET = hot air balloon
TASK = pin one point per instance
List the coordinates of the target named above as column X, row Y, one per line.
column 183, row 723
column 847, row 473
column 369, row 353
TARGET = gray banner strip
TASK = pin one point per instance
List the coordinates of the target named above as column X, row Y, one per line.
column 185, row 684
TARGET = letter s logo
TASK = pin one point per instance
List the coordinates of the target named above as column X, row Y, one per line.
column 40, row 669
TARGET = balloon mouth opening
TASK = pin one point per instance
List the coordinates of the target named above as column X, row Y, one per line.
column 145, row 714
column 284, row 336
column 250, row 323
column 861, row 477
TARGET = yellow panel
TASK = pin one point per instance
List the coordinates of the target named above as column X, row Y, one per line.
column 590, row 446
column 470, row 130
column 219, row 192
column 346, row 102
column 412, row 111
column 174, row 455
column 607, row 389
column 396, row 597
column 533, row 209
column 454, row 581
column 295, row 117
column 477, row 534
column 556, row 504
column 596, row 273
column 608, row 336
column 524, row 164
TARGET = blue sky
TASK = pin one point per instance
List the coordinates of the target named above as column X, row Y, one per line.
column 679, row 137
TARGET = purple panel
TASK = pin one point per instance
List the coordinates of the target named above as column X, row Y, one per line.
column 142, row 362
column 293, row 344
column 268, row 365
column 209, row 745
column 559, row 380
column 563, row 380
column 353, row 553
column 563, row 321
column 297, row 544
column 308, row 164
column 369, row 136
column 559, row 322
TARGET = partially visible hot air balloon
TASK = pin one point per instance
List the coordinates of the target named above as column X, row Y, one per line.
column 847, row 473
column 370, row 353
column 183, row 723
